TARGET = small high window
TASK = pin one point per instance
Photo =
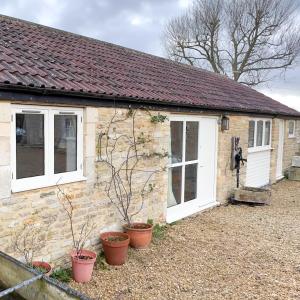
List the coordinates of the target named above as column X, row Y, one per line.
column 292, row 128
column 46, row 148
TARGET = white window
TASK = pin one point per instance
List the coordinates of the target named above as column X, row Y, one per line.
column 46, row 147
column 292, row 127
column 259, row 134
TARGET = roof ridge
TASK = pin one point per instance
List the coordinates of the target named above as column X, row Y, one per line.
column 130, row 73
column 113, row 45
column 83, row 36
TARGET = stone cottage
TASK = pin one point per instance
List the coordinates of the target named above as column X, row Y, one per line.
column 58, row 90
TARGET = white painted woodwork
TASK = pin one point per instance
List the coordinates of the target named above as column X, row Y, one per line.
column 279, row 170
column 206, row 171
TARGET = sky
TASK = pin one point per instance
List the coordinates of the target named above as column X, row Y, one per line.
column 137, row 24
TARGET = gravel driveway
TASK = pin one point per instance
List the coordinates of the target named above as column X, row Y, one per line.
column 230, row 252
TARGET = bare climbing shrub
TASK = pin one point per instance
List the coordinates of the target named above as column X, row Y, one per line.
column 29, row 240
column 80, row 237
column 126, row 151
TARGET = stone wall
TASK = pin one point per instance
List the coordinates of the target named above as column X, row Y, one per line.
column 274, row 151
column 5, row 173
column 41, row 206
column 226, row 178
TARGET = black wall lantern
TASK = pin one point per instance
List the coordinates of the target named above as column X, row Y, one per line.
column 224, row 123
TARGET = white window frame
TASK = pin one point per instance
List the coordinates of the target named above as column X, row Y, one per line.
column 263, row 147
column 49, row 179
column 293, row 135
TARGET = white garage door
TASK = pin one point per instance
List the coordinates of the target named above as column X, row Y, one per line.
column 259, row 153
column 192, row 170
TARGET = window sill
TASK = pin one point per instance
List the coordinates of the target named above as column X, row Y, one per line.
column 292, row 136
column 39, row 184
column 259, row 149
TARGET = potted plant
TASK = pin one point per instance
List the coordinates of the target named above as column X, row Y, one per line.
column 28, row 241
column 83, row 260
column 122, row 188
column 140, row 234
column 115, row 247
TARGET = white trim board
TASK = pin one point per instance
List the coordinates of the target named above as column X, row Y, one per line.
column 191, row 212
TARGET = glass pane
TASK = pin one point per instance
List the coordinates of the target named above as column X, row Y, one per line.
column 259, row 133
column 291, row 127
column 251, row 134
column 191, row 150
column 267, row 132
column 65, row 143
column 190, row 187
column 175, row 178
column 176, row 141
column 30, row 147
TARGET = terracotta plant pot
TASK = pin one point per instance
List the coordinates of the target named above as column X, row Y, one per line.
column 43, row 265
column 140, row 234
column 115, row 247
column 82, row 266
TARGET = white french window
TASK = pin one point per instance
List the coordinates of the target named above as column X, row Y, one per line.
column 47, row 146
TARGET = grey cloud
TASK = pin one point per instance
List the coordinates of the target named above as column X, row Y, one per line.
column 103, row 19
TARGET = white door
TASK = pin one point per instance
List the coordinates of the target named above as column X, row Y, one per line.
column 279, row 171
column 192, row 169
column 259, row 153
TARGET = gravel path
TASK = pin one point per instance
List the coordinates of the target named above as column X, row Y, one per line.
column 230, row 252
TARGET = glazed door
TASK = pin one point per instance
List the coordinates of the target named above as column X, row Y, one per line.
column 192, row 166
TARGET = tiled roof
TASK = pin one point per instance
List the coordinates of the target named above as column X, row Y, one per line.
column 45, row 58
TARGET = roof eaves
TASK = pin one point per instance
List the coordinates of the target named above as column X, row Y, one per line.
column 150, row 101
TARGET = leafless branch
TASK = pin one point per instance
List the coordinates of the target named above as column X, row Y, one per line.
column 121, row 187
column 79, row 239
column 242, row 39
column 30, row 239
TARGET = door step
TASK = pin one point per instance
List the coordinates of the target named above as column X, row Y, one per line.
column 294, row 173
column 252, row 195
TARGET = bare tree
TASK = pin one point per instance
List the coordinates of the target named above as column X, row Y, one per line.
column 243, row 39
column 122, row 186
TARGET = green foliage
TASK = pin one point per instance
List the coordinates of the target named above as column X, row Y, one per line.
column 159, row 231
column 63, row 275
column 158, row 119
column 141, row 139
column 150, row 221
column 151, row 187
column 100, row 262
column 129, row 112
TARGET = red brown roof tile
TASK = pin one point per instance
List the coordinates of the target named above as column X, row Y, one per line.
column 45, row 58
